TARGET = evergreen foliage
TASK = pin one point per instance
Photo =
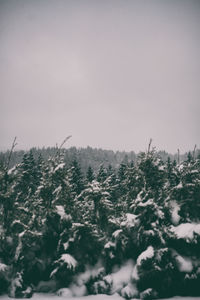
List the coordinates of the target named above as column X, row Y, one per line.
column 62, row 229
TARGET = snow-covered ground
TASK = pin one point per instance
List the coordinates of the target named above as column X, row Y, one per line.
column 42, row 296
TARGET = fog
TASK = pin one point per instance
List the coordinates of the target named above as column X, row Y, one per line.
column 112, row 74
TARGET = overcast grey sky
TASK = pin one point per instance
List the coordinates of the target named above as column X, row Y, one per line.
column 112, row 74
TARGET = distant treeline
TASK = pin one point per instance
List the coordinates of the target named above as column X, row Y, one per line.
column 86, row 157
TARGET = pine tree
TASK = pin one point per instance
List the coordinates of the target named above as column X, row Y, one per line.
column 90, row 174
column 76, row 178
column 187, row 191
column 102, row 174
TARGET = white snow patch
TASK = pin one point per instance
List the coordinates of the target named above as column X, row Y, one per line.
column 130, row 291
column 109, row 245
column 181, row 167
column 1, row 230
column 60, row 166
column 15, row 283
column 3, row 267
column 161, row 168
column 146, row 203
column 149, row 232
column 58, row 189
column 116, row 233
column 121, row 277
column 160, row 214
column 186, row 231
column 10, row 171
column 90, row 272
column 66, row 245
column 148, row 253
column 64, row 292
column 65, row 259
column 181, row 298
column 61, row 212
column 78, row 290
column 69, row 260
column 131, row 221
column 47, row 296
column 53, row 272
column 179, row 186
column 134, row 274
column 184, row 264
column 174, row 212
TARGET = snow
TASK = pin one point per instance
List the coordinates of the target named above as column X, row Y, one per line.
column 116, row 233
column 18, row 222
column 10, row 171
column 42, row 296
column 148, row 253
column 179, row 186
column 146, row 203
column 130, row 291
column 90, row 272
column 1, row 230
column 109, row 245
column 120, row 277
column 160, row 214
column 53, row 272
column 186, row 231
column 19, row 247
column 60, row 166
column 69, row 260
column 78, row 291
column 61, row 212
column 181, row 167
column 161, row 168
column 174, row 212
column 135, row 275
column 95, row 186
column 181, row 298
column 58, row 189
column 17, row 282
column 65, row 292
column 3, row 267
column 65, row 259
column 184, row 264
column 149, row 232
column 131, row 221
column 139, row 196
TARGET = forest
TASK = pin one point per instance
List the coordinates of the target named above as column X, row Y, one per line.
column 83, row 227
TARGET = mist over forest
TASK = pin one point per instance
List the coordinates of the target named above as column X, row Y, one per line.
column 93, row 157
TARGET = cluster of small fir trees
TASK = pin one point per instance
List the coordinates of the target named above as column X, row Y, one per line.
column 55, row 222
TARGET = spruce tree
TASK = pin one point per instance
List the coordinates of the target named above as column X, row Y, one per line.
column 90, row 174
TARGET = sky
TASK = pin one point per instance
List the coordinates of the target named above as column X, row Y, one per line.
column 111, row 73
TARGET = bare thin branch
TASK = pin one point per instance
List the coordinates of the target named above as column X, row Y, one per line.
column 62, row 144
column 149, row 147
column 178, row 156
column 65, row 140
column 14, row 144
column 194, row 151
